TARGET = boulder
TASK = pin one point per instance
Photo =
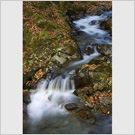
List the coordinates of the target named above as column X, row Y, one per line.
column 26, row 97
column 101, row 102
column 105, row 49
column 71, row 106
column 84, row 113
column 84, row 92
column 107, row 25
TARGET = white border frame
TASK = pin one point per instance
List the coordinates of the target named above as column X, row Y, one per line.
column 16, row 70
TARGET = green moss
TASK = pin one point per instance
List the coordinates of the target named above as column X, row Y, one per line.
column 25, row 61
column 57, row 7
column 28, row 12
column 104, row 67
column 41, row 23
column 67, row 25
column 42, row 4
column 27, row 36
column 95, row 61
column 46, row 25
column 93, row 3
column 62, row 5
column 51, row 26
column 43, row 35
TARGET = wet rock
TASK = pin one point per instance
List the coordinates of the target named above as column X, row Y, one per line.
column 75, row 14
column 24, row 108
column 28, row 76
column 94, row 77
column 84, row 92
column 83, row 112
column 26, row 97
column 89, row 77
column 105, row 110
column 107, row 25
column 101, row 102
column 105, row 49
column 92, row 120
column 71, row 106
column 93, row 22
column 106, row 100
column 89, row 50
column 32, row 85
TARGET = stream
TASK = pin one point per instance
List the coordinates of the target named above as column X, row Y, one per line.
column 46, row 112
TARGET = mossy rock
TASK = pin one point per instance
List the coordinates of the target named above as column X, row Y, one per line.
column 42, row 23
column 84, row 92
column 93, row 3
column 51, row 26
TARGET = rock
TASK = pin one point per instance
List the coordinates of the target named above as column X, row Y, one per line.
column 104, row 110
column 89, row 50
column 93, row 22
column 24, row 108
column 107, row 25
column 26, row 96
column 28, row 76
column 93, row 77
column 49, row 60
column 90, row 77
column 71, row 106
column 84, row 92
column 105, row 49
column 92, row 120
column 60, row 59
column 101, row 102
column 83, row 112
column 106, row 100
column 98, row 86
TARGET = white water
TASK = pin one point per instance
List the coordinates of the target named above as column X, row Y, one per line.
column 50, row 98
column 84, row 25
column 93, row 30
column 86, row 59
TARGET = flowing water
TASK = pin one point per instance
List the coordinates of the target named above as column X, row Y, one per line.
column 46, row 112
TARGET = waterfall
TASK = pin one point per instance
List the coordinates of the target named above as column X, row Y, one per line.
column 50, row 97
